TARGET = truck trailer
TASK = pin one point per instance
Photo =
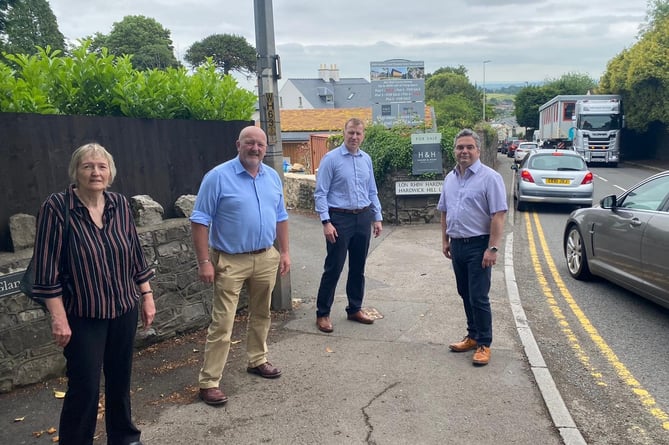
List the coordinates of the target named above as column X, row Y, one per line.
column 587, row 123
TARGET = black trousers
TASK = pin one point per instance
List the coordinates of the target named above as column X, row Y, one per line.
column 96, row 345
column 355, row 232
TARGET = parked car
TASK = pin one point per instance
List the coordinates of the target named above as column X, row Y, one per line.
column 625, row 240
column 511, row 148
column 523, row 149
column 552, row 176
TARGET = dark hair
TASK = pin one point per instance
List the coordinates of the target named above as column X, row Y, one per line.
column 468, row 132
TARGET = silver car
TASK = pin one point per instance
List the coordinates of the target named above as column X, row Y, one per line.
column 523, row 150
column 552, row 176
column 625, row 240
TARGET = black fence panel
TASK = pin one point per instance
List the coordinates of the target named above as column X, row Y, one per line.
column 160, row 158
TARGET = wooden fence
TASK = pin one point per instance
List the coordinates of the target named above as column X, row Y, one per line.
column 160, row 158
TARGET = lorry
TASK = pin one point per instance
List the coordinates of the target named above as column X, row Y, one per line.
column 587, row 123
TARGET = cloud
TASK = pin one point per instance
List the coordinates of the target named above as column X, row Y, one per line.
column 526, row 40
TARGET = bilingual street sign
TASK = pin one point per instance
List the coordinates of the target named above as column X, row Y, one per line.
column 418, row 187
column 426, row 153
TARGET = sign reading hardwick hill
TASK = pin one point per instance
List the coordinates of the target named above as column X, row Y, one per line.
column 418, row 187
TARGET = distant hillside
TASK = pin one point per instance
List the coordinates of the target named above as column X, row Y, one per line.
column 508, row 87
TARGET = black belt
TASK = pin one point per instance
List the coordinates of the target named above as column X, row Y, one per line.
column 471, row 239
column 351, row 211
column 255, row 252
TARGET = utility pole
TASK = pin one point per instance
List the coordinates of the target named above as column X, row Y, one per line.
column 269, row 71
column 484, row 62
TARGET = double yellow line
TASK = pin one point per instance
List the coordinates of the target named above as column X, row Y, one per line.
column 647, row 401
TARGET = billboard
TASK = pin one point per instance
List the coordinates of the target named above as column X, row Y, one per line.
column 398, row 91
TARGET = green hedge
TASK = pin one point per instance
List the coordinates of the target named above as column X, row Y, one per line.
column 391, row 149
column 104, row 85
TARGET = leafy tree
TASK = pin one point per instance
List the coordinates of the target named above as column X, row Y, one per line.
column 4, row 8
column 571, row 83
column 228, row 53
column 527, row 103
column 658, row 11
column 144, row 38
column 461, row 70
column 31, row 23
column 455, row 99
column 641, row 75
column 529, row 99
column 456, row 110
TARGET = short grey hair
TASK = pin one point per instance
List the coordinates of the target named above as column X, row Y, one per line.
column 86, row 149
column 468, row 132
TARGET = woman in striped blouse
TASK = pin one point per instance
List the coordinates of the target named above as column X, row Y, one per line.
column 94, row 315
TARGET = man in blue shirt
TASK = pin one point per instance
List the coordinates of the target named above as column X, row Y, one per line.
column 238, row 213
column 473, row 207
column 348, row 204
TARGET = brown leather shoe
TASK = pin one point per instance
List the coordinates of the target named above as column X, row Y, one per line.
column 481, row 356
column 360, row 317
column 265, row 370
column 324, row 324
column 213, row 396
column 466, row 344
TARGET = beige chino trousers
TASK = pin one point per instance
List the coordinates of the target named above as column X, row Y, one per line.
column 258, row 271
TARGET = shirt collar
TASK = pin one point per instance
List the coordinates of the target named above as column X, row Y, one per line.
column 344, row 151
column 239, row 168
column 474, row 168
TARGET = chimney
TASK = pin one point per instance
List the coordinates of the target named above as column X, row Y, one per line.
column 334, row 73
column 324, row 73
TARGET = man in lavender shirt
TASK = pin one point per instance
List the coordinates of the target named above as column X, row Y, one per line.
column 473, row 207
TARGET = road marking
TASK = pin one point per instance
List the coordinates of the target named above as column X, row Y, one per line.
column 619, row 187
column 555, row 307
column 646, row 399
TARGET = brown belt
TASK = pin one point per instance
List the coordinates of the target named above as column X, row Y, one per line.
column 352, row 211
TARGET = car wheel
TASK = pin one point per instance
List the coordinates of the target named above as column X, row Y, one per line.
column 520, row 206
column 575, row 254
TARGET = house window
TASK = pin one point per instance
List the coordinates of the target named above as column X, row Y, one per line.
column 299, row 102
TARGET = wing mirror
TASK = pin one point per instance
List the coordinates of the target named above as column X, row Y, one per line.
column 608, row 202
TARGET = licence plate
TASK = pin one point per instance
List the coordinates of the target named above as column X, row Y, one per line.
column 557, row 181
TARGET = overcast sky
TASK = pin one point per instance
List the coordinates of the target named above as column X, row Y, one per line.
column 525, row 40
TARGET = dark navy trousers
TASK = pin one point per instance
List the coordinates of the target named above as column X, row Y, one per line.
column 473, row 283
column 354, row 234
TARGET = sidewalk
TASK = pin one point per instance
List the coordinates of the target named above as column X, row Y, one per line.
column 394, row 382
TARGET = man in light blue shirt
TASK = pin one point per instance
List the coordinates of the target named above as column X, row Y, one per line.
column 473, row 207
column 348, row 204
column 238, row 213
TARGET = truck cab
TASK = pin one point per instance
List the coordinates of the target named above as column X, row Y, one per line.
column 597, row 130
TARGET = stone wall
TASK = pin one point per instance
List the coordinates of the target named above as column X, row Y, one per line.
column 27, row 351
column 299, row 195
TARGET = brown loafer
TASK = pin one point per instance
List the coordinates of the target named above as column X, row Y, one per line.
column 265, row 370
column 481, row 356
column 360, row 317
column 324, row 324
column 467, row 344
column 213, row 396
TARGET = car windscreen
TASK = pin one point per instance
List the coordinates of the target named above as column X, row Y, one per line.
column 552, row 162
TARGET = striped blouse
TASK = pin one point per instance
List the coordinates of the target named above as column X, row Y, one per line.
column 106, row 265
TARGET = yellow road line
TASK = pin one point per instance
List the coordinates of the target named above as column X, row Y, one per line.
column 555, row 308
column 646, row 399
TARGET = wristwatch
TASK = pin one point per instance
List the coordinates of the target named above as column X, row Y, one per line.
column 493, row 249
column 325, row 221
